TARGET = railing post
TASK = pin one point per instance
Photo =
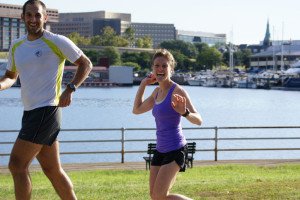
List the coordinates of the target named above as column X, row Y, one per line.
column 123, row 144
column 216, row 143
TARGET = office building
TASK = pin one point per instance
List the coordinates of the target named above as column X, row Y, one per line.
column 195, row 36
column 157, row 32
column 91, row 23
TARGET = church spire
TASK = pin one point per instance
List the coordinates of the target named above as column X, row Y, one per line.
column 267, row 41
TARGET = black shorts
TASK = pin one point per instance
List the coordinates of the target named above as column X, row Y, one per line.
column 41, row 125
column 180, row 156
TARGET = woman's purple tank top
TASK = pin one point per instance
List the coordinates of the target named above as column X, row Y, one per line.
column 168, row 125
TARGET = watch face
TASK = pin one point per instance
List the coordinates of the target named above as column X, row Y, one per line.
column 72, row 86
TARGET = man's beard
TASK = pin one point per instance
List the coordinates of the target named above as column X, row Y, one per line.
column 34, row 31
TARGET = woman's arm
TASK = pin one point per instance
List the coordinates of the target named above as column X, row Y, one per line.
column 181, row 101
column 140, row 105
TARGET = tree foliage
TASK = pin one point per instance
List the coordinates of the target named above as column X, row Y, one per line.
column 129, row 35
column 79, row 40
column 185, row 48
column 113, row 55
column 144, row 42
column 208, row 58
column 143, row 59
column 188, row 56
column 136, row 66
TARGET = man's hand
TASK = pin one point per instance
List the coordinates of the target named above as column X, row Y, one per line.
column 65, row 98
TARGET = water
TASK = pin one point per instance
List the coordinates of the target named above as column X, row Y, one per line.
column 112, row 108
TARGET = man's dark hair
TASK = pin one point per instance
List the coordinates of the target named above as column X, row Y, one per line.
column 32, row 2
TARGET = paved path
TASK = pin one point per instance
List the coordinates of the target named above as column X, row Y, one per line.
column 142, row 165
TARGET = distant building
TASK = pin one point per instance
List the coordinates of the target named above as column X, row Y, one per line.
column 274, row 55
column 90, row 23
column 157, row 32
column 121, row 75
column 195, row 36
column 11, row 25
column 257, row 48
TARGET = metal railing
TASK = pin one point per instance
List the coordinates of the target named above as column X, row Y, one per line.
column 216, row 139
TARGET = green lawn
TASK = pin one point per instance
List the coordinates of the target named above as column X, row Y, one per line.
column 3, row 55
column 208, row 182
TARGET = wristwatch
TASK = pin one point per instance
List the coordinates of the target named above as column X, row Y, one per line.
column 72, row 86
column 187, row 112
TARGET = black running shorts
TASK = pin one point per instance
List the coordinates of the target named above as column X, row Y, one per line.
column 41, row 125
column 180, row 156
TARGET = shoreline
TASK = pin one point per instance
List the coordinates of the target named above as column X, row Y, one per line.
column 70, row 167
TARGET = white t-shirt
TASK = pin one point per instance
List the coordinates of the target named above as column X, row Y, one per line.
column 40, row 64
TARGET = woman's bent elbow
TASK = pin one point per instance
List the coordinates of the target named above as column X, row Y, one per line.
column 134, row 111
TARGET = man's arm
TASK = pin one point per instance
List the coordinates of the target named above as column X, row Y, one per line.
column 8, row 79
column 84, row 67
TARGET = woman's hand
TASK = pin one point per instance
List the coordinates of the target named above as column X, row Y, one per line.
column 179, row 103
column 149, row 80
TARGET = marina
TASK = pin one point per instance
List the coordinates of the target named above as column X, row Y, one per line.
column 228, row 79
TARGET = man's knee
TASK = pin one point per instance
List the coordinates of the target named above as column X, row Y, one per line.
column 51, row 171
column 16, row 165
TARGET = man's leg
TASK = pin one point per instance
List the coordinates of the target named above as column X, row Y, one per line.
column 50, row 163
column 21, row 156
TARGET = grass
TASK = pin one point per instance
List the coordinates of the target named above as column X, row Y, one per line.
column 207, row 182
column 3, row 55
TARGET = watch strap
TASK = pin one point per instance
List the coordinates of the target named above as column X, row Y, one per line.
column 187, row 112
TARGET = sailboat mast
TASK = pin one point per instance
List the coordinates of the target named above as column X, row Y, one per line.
column 231, row 52
column 282, row 64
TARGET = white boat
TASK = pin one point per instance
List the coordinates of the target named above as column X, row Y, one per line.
column 195, row 81
column 246, row 84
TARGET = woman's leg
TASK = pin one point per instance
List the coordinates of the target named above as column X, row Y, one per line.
column 162, row 180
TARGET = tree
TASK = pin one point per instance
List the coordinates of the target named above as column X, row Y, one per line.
column 208, row 57
column 129, row 35
column 181, row 60
column 239, row 58
column 74, row 37
column 144, row 42
column 200, row 45
column 79, row 40
column 186, row 48
column 245, row 59
column 108, row 36
column 147, row 43
column 121, row 42
column 145, row 59
column 139, row 43
column 96, row 40
column 129, row 57
column 132, row 64
column 113, row 55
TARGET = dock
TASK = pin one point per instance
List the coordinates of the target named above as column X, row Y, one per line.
column 71, row 167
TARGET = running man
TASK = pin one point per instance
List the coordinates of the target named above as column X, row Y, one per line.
column 38, row 59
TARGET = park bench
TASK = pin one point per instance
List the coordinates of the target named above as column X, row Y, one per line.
column 152, row 148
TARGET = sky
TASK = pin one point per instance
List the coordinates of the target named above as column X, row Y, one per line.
column 243, row 21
